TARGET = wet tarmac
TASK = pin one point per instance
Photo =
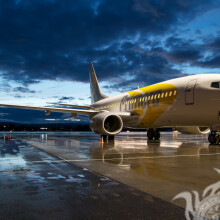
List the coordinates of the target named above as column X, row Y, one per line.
column 75, row 176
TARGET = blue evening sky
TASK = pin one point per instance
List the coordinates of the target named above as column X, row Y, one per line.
column 45, row 47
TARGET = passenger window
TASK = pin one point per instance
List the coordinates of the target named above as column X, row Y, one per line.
column 170, row 93
column 152, row 97
column 166, row 94
column 162, row 95
column 174, row 93
column 215, row 84
column 148, row 97
column 155, row 96
column 158, row 96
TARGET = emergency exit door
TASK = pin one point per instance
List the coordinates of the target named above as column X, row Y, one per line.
column 190, row 92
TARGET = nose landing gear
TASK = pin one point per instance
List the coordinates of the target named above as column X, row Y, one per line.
column 214, row 137
column 153, row 134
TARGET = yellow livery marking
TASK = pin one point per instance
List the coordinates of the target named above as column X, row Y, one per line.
column 134, row 93
column 158, row 97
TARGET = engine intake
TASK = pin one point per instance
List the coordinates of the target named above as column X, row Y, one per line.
column 106, row 123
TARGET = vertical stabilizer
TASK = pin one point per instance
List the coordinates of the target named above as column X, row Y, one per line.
column 96, row 94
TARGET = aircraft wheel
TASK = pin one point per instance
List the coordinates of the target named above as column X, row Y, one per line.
column 111, row 138
column 157, row 135
column 150, row 134
column 212, row 138
column 104, row 137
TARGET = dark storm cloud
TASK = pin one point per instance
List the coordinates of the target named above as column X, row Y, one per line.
column 156, row 69
column 213, row 62
column 205, row 54
column 212, row 59
column 65, row 98
column 23, row 90
column 56, row 39
column 216, row 43
column 180, row 51
column 199, row 32
column 19, row 97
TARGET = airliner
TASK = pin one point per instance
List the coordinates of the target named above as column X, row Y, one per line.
column 191, row 104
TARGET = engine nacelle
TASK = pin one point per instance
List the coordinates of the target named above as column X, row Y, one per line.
column 106, row 123
column 193, row 130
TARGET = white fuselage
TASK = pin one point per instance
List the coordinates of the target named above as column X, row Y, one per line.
column 185, row 101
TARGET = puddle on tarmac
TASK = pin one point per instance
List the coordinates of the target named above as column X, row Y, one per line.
column 56, row 177
column 81, row 175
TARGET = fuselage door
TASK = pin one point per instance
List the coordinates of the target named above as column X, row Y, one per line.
column 189, row 92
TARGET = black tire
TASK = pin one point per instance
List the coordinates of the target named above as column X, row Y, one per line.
column 111, row 138
column 150, row 134
column 212, row 138
column 104, row 137
column 157, row 135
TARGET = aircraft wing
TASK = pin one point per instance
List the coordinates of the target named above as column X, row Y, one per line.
column 79, row 106
column 89, row 112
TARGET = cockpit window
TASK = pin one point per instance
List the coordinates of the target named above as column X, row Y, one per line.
column 215, row 85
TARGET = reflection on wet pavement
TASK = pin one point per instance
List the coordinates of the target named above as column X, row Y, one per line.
column 177, row 163
column 38, row 185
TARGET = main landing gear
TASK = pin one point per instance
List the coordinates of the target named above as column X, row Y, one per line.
column 153, row 134
column 214, row 137
column 106, row 138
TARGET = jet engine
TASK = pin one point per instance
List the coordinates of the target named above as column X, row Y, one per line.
column 193, row 130
column 106, row 123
